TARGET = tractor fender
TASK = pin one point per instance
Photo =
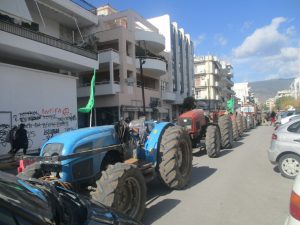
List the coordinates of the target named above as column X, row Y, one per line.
column 153, row 142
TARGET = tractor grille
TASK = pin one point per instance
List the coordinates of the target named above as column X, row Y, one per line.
column 83, row 169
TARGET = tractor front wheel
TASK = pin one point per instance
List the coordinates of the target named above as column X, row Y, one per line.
column 122, row 187
column 176, row 157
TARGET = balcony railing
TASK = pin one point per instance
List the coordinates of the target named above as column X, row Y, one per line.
column 87, row 6
column 45, row 39
column 98, row 83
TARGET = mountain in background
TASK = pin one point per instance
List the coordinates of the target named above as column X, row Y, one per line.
column 268, row 88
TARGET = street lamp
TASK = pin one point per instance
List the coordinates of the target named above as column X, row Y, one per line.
column 142, row 62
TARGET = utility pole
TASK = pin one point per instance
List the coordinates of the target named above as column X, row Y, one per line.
column 142, row 62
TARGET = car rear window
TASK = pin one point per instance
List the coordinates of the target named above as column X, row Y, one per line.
column 295, row 127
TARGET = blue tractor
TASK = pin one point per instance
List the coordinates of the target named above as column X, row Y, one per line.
column 112, row 164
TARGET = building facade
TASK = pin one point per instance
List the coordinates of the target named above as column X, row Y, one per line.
column 39, row 61
column 177, row 83
column 295, row 88
column 213, row 84
column 126, row 42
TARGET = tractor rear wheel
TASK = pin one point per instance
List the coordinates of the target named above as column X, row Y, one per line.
column 239, row 120
column 122, row 187
column 226, row 131
column 213, row 141
column 245, row 124
column 235, row 130
column 175, row 163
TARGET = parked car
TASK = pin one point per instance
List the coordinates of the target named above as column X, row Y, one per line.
column 285, row 148
column 288, row 118
column 34, row 202
column 294, row 212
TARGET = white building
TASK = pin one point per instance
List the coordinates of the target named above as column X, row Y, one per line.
column 213, row 81
column 122, row 39
column 243, row 93
column 283, row 93
column 38, row 56
column 177, row 83
column 295, row 88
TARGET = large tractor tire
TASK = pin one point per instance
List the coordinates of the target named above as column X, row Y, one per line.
column 175, row 162
column 213, row 141
column 235, row 130
column 123, row 188
column 226, row 130
column 245, row 124
column 239, row 121
column 32, row 171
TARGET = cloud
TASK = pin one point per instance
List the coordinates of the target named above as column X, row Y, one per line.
column 246, row 26
column 270, row 52
column 264, row 41
column 220, row 40
column 199, row 40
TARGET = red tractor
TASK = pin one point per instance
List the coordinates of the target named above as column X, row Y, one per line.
column 215, row 129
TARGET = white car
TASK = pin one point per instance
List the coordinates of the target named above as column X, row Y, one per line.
column 285, row 148
column 294, row 215
column 288, row 118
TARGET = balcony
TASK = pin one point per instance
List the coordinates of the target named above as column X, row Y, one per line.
column 30, row 46
column 66, row 11
column 228, row 91
column 109, row 55
column 152, row 41
column 228, row 82
column 153, row 66
column 168, row 96
column 101, row 88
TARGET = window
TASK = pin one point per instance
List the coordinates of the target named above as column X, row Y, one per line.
column 85, row 147
column 295, row 127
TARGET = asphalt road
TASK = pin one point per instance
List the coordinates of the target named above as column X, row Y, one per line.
column 240, row 187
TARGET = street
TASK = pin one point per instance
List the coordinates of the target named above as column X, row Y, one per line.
column 240, row 187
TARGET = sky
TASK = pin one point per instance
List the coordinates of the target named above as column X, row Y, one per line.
column 260, row 38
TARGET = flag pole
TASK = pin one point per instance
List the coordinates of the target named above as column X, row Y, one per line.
column 91, row 118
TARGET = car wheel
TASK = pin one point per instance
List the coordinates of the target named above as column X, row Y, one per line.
column 289, row 165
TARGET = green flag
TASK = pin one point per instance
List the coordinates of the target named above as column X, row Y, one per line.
column 230, row 105
column 90, row 104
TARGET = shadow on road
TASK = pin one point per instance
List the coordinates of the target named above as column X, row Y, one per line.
column 237, row 144
column 199, row 174
column 224, row 152
column 159, row 209
column 276, row 169
column 156, row 190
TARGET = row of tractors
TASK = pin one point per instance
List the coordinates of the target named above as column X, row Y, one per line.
column 112, row 164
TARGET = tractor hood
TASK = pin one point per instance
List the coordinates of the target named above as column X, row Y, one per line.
column 67, row 142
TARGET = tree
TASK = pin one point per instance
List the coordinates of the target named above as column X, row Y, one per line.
column 188, row 103
column 283, row 103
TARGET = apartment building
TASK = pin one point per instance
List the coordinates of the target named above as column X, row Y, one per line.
column 295, row 88
column 39, row 58
column 283, row 93
column 177, row 83
column 244, row 93
column 127, row 44
column 212, row 82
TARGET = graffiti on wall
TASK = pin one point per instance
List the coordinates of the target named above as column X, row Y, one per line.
column 5, row 126
column 45, row 123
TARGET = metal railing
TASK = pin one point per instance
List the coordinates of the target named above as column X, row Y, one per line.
column 98, row 83
column 45, row 39
column 87, row 6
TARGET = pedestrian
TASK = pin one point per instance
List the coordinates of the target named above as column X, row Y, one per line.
column 21, row 139
column 11, row 138
column 273, row 115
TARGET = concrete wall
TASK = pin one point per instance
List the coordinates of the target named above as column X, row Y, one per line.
column 45, row 102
